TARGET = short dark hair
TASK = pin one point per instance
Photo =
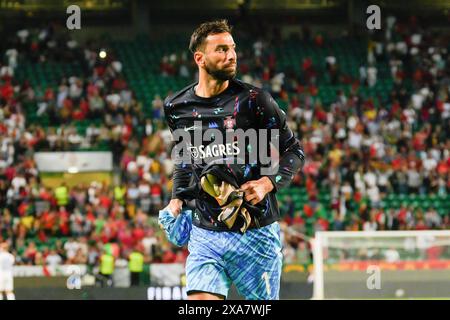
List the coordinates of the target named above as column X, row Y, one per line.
column 204, row 30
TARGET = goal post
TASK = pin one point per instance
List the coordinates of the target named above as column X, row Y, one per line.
column 381, row 264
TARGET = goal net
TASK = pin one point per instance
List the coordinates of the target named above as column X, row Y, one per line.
column 381, row 264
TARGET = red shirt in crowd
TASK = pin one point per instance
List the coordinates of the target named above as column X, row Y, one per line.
column 155, row 190
column 7, row 91
column 126, row 238
column 48, row 220
column 442, row 167
column 138, row 234
column 308, row 210
column 63, row 217
column 49, row 94
column 105, row 201
column 169, row 257
column 78, row 114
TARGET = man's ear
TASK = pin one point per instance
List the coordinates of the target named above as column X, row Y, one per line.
column 199, row 58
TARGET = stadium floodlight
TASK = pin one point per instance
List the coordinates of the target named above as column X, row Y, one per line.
column 102, row 54
column 381, row 264
column 72, row 170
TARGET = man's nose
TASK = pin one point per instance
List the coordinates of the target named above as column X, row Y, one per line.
column 231, row 55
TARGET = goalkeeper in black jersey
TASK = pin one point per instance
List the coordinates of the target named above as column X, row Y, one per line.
column 235, row 235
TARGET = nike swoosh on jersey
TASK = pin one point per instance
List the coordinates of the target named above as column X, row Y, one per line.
column 190, row 128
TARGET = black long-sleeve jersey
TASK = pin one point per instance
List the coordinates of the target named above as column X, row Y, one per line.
column 240, row 106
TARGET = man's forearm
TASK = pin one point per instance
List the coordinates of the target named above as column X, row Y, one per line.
column 291, row 160
column 181, row 179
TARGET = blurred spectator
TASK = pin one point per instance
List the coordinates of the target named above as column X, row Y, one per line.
column 53, row 259
column 136, row 266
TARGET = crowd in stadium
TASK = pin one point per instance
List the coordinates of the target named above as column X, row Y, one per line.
column 360, row 149
column 92, row 214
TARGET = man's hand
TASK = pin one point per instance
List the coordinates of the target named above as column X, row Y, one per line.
column 175, row 206
column 256, row 190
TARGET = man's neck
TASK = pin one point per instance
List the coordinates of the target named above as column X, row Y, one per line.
column 208, row 87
